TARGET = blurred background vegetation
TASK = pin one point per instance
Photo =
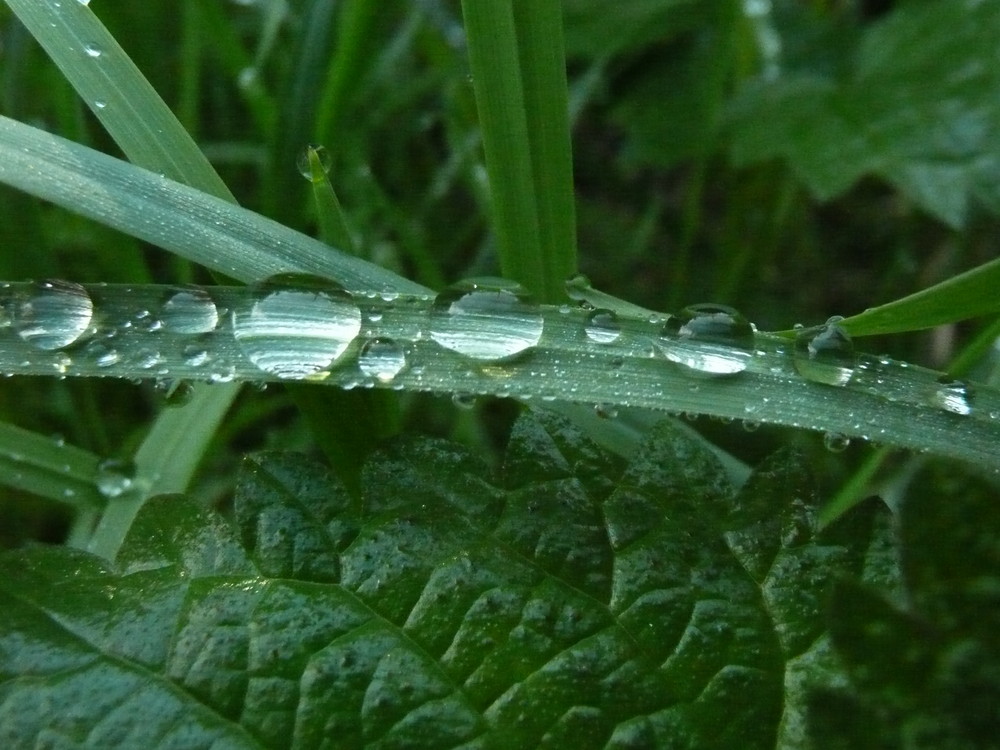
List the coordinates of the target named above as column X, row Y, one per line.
column 793, row 158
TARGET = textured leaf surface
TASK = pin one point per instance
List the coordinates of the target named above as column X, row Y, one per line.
column 570, row 602
column 918, row 108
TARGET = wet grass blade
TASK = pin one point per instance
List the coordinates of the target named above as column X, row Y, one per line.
column 117, row 93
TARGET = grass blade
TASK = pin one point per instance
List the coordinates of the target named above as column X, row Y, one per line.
column 969, row 295
column 546, row 104
column 496, row 76
column 188, row 222
column 40, row 465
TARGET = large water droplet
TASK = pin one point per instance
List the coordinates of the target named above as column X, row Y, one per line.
column 954, row 396
column 298, row 326
column 825, row 355
column 114, row 477
column 602, row 327
column 487, row 319
column 710, row 339
column 92, row 50
column 578, row 287
column 382, row 359
column 56, row 314
column 189, row 311
column 304, row 162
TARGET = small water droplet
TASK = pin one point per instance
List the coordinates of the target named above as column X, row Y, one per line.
column 247, row 78
column 304, row 162
column 195, row 355
column 189, row 311
column 750, row 425
column 710, row 339
column 114, row 477
column 382, row 359
column 56, row 314
column 102, row 354
column 146, row 359
column 835, row 442
column 825, row 355
column 486, row 319
column 100, row 104
column 298, row 326
column 606, row 411
column 92, row 50
column 464, row 401
column 175, row 392
column 602, row 327
column 954, row 396
column 578, row 287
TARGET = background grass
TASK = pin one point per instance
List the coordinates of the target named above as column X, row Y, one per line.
column 663, row 216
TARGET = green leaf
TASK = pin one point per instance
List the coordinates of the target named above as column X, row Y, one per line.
column 918, row 108
column 574, row 601
column 925, row 668
column 637, row 23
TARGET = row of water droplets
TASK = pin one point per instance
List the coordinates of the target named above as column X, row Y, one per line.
column 296, row 327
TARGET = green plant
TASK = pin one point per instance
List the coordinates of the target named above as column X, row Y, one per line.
column 605, row 578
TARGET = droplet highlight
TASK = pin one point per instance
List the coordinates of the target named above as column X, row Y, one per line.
column 56, row 314
column 486, row 319
column 92, row 50
column 602, row 327
column 298, row 326
column 709, row 339
column 382, row 359
column 954, row 396
column 825, row 355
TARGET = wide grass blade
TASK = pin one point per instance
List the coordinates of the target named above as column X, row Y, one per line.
column 204, row 229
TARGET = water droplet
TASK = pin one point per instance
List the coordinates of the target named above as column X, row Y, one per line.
column 750, row 425
column 835, row 442
column 102, row 354
column 146, row 359
column 56, row 314
column 578, row 287
column 195, row 355
column 602, row 327
column 83, row 2
column 486, row 319
column 298, row 327
column 954, row 396
column 710, row 339
column 189, row 311
column 825, row 355
column 100, row 104
column 247, row 78
column 464, row 401
column 92, row 50
column 114, row 477
column 382, row 359
column 304, row 162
